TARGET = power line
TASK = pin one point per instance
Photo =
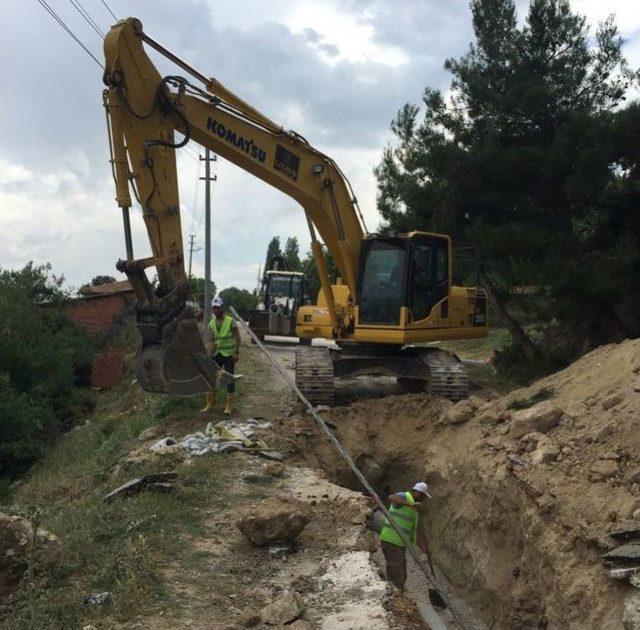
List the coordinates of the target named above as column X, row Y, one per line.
column 87, row 17
column 60, row 21
column 110, row 11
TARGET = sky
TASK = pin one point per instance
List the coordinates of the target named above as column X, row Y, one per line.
column 335, row 71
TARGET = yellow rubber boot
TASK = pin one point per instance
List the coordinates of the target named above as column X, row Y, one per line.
column 228, row 408
column 210, row 399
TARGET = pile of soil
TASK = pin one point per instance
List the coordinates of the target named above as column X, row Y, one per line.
column 517, row 523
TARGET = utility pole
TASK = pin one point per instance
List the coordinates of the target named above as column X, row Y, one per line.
column 208, row 178
column 191, row 250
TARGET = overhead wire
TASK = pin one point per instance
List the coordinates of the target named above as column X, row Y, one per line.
column 109, row 9
column 86, row 16
column 61, row 22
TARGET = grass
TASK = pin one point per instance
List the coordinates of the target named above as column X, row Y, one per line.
column 478, row 349
column 123, row 546
column 524, row 403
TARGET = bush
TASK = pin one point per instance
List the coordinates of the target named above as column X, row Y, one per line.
column 43, row 358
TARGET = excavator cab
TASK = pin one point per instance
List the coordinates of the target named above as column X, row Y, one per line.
column 408, row 270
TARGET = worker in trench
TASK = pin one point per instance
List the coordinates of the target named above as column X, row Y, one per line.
column 224, row 349
column 404, row 509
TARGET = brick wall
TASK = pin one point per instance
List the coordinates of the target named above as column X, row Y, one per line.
column 97, row 314
column 107, row 369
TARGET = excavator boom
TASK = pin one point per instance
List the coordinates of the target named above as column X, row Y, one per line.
column 144, row 110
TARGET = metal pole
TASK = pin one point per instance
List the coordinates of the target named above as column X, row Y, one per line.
column 127, row 233
column 207, row 238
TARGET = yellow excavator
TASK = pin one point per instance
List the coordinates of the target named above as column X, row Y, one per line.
column 394, row 290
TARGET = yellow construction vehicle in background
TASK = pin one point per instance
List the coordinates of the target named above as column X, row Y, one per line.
column 394, row 290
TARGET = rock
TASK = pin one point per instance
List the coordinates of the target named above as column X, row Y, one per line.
column 633, row 476
column 576, row 409
column 275, row 469
column 274, row 520
column 603, row 469
column 567, row 450
column 476, row 402
column 323, row 408
column 16, row 538
column 636, row 514
column 151, row 432
column 631, row 612
column 612, row 401
column 622, row 573
column 165, row 446
column 634, row 580
column 461, row 412
column 248, row 619
column 301, row 624
column 546, row 451
column 282, row 610
column 541, row 418
column 489, row 415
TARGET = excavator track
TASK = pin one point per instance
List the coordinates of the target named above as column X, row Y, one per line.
column 448, row 376
column 314, row 375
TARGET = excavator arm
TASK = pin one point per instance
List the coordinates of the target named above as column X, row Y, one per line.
column 144, row 110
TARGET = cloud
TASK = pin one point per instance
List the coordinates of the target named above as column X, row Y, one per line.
column 334, row 70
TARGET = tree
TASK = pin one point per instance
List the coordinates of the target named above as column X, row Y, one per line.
column 241, row 299
column 197, row 286
column 273, row 250
column 43, row 358
column 523, row 161
column 312, row 278
column 292, row 254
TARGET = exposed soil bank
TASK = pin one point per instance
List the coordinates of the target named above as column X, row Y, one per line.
column 520, row 517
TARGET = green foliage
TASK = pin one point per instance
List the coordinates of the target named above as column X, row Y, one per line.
column 524, row 403
column 292, row 254
column 197, row 286
column 241, row 299
column 43, row 358
column 312, row 278
column 534, row 162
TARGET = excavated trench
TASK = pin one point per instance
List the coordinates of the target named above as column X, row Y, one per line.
column 505, row 562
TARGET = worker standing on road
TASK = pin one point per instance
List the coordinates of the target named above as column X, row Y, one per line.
column 404, row 512
column 224, row 348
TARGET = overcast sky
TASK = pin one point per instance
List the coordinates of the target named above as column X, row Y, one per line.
column 336, row 71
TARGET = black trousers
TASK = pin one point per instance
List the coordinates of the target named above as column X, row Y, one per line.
column 228, row 364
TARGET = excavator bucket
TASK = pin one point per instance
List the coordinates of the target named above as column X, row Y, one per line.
column 179, row 364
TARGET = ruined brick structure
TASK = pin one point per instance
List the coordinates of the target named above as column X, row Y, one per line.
column 99, row 309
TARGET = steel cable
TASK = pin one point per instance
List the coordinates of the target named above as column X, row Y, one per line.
column 349, row 460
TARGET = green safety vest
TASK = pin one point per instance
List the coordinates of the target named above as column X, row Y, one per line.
column 223, row 338
column 405, row 518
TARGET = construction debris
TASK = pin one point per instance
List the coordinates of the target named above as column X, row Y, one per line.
column 225, row 437
column 158, row 482
column 98, row 598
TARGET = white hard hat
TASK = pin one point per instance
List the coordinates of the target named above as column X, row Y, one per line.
column 422, row 487
column 217, row 301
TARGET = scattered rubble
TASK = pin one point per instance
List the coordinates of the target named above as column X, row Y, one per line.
column 274, row 520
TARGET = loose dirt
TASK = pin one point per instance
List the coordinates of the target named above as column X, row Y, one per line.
column 519, row 536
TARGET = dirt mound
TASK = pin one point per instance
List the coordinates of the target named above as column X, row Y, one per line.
column 526, row 489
